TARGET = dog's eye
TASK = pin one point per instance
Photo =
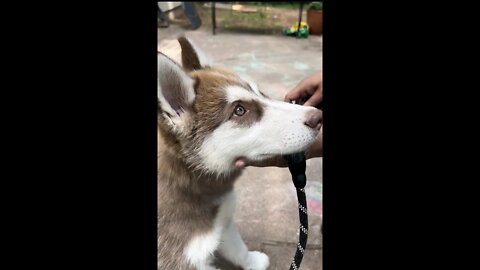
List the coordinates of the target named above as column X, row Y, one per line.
column 239, row 110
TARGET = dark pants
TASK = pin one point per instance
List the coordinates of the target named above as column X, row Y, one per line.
column 191, row 13
column 163, row 18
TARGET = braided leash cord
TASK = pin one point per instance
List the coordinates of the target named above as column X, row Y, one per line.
column 297, row 165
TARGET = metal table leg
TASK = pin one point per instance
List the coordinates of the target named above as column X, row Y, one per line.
column 214, row 21
column 299, row 19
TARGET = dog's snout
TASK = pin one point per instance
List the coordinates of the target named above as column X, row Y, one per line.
column 314, row 118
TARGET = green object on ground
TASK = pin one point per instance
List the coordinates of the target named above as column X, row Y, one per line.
column 292, row 31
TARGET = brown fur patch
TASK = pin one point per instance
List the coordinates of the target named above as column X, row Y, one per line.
column 253, row 114
column 211, row 103
column 190, row 59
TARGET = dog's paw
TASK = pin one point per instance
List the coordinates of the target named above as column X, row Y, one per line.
column 257, row 261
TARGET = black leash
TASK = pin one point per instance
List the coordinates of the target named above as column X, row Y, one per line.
column 297, row 166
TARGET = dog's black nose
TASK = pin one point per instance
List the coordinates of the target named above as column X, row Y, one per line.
column 314, row 118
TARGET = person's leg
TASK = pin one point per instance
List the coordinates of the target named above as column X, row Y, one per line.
column 191, row 13
column 163, row 18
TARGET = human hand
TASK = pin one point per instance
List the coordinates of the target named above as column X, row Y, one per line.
column 311, row 88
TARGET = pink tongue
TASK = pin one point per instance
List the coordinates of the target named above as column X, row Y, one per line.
column 240, row 163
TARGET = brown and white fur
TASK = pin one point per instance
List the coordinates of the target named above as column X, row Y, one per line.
column 211, row 123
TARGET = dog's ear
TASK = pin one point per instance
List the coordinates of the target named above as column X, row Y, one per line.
column 192, row 57
column 175, row 88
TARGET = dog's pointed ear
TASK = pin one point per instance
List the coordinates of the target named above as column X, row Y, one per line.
column 175, row 88
column 192, row 57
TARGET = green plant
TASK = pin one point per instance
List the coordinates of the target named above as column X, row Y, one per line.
column 316, row 5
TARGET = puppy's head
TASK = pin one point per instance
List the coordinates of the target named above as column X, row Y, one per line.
column 219, row 121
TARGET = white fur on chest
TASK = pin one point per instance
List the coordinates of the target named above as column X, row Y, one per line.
column 203, row 246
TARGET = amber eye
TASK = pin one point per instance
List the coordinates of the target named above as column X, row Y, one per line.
column 239, row 110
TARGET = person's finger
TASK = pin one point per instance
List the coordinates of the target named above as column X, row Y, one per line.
column 277, row 161
column 298, row 92
column 293, row 95
column 315, row 99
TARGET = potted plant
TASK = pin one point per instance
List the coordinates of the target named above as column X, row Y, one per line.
column 315, row 17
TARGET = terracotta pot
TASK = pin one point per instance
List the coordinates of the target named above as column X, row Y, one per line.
column 315, row 21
